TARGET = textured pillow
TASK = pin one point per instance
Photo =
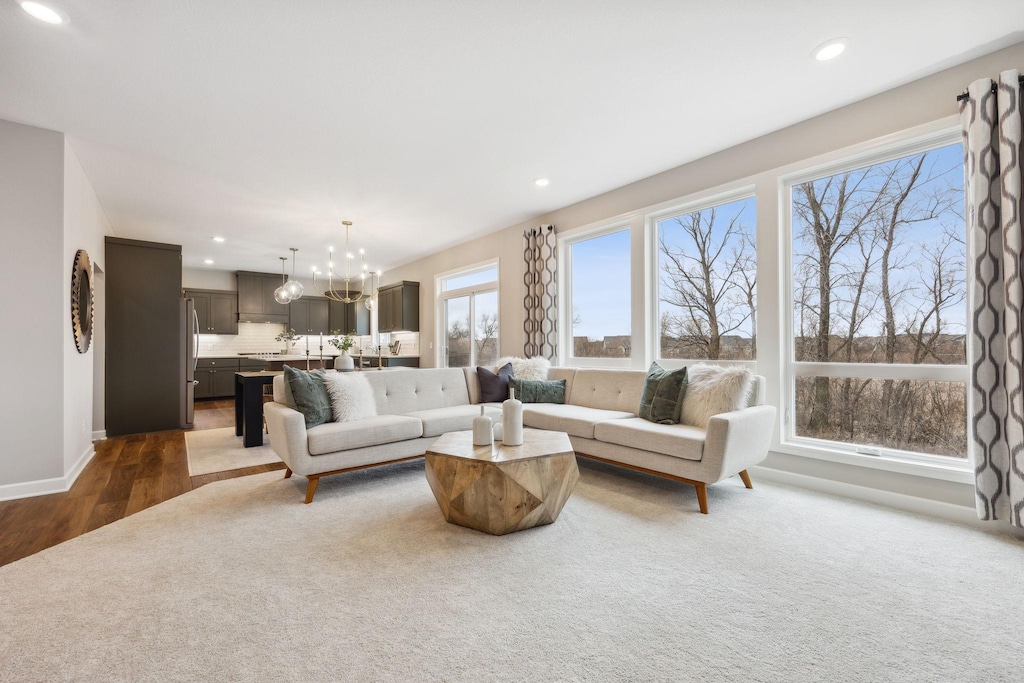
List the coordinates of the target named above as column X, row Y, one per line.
column 538, row 391
column 662, row 398
column 310, row 396
column 534, row 368
column 351, row 396
column 494, row 386
column 711, row 390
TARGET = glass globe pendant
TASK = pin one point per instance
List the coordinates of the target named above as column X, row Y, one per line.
column 293, row 286
column 281, row 294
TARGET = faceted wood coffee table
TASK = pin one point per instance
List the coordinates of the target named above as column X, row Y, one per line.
column 500, row 489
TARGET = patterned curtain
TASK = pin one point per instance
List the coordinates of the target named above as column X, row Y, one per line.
column 991, row 120
column 540, row 293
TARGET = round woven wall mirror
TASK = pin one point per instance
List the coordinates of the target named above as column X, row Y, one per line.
column 81, row 301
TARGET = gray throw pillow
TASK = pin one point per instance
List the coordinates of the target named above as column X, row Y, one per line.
column 494, row 386
column 662, row 398
column 310, row 395
column 538, row 390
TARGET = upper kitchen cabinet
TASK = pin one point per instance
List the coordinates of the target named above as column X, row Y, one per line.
column 353, row 318
column 309, row 315
column 256, row 302
column 217, row 311
column 399, row 307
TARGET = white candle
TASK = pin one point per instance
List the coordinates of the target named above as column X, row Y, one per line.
column 321, row 340
column 307, row 344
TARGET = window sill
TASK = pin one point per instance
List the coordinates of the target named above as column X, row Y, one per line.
column 959, row 472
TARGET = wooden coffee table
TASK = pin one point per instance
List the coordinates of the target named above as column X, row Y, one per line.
column 500, row 489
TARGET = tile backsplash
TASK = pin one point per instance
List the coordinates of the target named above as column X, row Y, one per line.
column 259, row 338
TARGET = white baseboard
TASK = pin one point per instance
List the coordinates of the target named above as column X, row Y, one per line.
column 901, row 501
column 44, row 487
column 99, row 435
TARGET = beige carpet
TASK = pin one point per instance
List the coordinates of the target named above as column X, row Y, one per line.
column 240, row 581
column 219, row 450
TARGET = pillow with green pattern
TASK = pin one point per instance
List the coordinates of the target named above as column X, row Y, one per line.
column 538, row 390
column 310, row 395
column 662, row 398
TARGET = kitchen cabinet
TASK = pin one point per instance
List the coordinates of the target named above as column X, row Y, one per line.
column 309, row 315
column 216, row 376
column 389, row 361
column 217, row 310
column 353, row 318
column 399, row 307
column 256, row 302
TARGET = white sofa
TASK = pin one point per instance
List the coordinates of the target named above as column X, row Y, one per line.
column 414, row 407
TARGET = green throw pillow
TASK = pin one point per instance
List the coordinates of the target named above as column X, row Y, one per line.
column 538, row 390
column 662, row 399
column 310, row 395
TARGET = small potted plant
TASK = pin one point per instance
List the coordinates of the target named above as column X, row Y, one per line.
column 395, row 346
column 289, row 338
column 343, row 343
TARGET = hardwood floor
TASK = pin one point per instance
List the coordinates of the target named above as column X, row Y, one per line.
column 127, row 474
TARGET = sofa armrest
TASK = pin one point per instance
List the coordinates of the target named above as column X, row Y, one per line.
column 738, row 440
column 287, row 429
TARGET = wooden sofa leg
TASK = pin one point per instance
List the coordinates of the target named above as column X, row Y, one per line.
column 746, row 479
column 287, row 473
column 311, row 489
column 702, row 497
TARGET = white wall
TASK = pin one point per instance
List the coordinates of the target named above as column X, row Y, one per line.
column 85, row 225
column 928, row 102
column 32, row 279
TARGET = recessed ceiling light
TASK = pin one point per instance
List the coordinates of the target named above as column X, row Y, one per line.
column 208, row 261
column 218, row 239
column 830, row 49
column 42, row 12
column 541, row 182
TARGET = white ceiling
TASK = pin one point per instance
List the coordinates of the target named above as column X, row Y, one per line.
column 424, row 122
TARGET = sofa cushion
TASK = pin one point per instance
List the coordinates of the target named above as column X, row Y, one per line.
column 607, row 389
column 662, row 399
column 454, row 419
column 310, row 395
column 573, row 420
column 401, row 391
column 680, row 441
column 493, row 385
column 712, row 389
column 373, row 431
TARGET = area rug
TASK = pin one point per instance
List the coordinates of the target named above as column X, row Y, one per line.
column 219, row 450
column 239, row 580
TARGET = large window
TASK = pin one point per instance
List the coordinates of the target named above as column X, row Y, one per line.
column 878, row 272
column 598, row 296
column 469, row 310
column 707, row 282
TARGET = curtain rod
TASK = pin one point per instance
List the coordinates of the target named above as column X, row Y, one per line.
column 963, row 95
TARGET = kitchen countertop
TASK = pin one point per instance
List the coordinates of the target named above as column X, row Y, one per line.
column 301, row 356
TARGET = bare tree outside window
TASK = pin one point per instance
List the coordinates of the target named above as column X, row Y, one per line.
column 879, row 276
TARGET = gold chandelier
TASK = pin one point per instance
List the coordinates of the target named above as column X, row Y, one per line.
column 345, row 292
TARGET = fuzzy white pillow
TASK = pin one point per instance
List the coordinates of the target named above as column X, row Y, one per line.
column 522, row 368
column 712, row 389
column 351, row 396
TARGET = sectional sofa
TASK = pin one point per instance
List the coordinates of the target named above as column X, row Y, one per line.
column 414, row 407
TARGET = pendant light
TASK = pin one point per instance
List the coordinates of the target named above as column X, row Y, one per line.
column 293, row 286
column 281, row 295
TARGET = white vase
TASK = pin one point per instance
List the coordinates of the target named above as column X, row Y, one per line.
column 512, row 420
column 483, row 430
column 344, row 362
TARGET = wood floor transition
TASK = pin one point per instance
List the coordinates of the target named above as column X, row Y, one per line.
column 126, row 475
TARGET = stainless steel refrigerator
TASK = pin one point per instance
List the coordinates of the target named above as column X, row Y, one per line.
column 189, row 354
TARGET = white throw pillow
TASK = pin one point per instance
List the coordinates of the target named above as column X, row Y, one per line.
column 351, row 396
column 712, row 389
column 522, row 368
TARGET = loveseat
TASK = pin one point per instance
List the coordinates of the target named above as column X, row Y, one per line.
column 414, row 407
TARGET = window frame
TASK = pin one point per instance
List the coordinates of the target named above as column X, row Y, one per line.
column 652, row 274
column 442, row 295
column 791, row 369
column 565, row 337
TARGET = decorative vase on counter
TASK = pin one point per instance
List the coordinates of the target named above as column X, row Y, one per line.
column 344, row 362
column 512, row 420
column 483, row 430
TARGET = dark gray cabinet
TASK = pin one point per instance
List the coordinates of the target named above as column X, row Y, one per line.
column 309, row 315
column 256, row 302
column 216, row 376
column 399, row 307
column 217, row 311
column 353, row 318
